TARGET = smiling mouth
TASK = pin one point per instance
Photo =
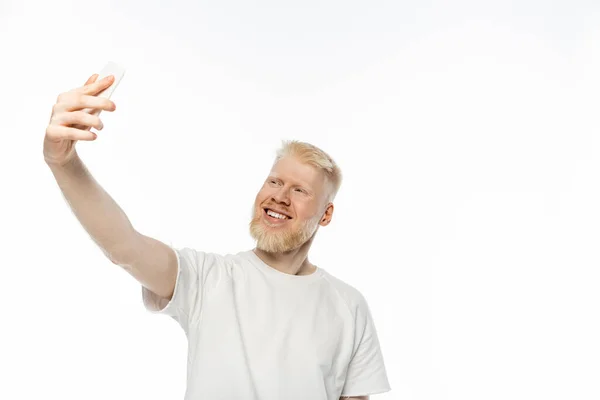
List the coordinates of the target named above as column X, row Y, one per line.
column 274, row 219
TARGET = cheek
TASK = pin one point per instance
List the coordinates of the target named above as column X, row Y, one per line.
column 303, row 214
column 260, row 200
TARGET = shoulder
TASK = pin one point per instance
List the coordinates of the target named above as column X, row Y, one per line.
column 205, row 263
column 352, row 297
column 201, row 256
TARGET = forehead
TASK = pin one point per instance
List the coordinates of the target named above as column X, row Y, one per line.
column 291, row 169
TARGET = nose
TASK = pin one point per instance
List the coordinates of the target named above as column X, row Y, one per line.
column 281, row 196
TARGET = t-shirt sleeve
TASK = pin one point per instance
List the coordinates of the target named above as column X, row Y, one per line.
column 366, row 373
column 197, row 273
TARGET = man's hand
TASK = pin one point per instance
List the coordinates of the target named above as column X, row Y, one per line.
column 68, row 123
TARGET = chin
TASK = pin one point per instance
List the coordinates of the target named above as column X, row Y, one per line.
column 274, row 240
column 269, row 241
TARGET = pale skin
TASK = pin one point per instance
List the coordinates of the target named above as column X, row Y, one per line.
column 297, row 189
column 68, row 123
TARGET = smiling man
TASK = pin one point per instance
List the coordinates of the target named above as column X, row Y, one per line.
column 266, row 323
column 261, row 324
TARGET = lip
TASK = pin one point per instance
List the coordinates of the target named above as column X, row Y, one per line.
column 271, row 220
column 277, row 211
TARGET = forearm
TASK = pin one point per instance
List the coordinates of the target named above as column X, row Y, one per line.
column 95, row 209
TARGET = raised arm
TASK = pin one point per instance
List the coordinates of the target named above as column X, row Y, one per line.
column 151, row 262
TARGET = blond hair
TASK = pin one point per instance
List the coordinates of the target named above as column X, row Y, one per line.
column 314, row 156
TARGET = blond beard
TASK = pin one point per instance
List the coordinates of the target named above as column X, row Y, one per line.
column 280, row 240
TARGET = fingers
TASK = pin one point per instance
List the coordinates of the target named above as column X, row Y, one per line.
column 72, row 101
column 91, row 79
column 96, row 87
column 69, row 122
column 82, row 127
column 57, row 133
column 84, row 96
column 79, row 119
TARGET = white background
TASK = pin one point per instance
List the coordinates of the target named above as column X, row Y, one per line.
column 469, row 215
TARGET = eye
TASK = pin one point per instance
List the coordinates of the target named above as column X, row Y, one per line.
column 301, row 190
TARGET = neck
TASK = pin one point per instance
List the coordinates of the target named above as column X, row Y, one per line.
column 293, row 262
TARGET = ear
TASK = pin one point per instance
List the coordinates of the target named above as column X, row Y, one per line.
column 326, row 218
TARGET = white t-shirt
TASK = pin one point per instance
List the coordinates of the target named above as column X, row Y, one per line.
column 255, row 333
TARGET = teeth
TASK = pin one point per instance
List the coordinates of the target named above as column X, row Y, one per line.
column 276, row 215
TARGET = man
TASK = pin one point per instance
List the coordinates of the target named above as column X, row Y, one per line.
column 262, row 324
